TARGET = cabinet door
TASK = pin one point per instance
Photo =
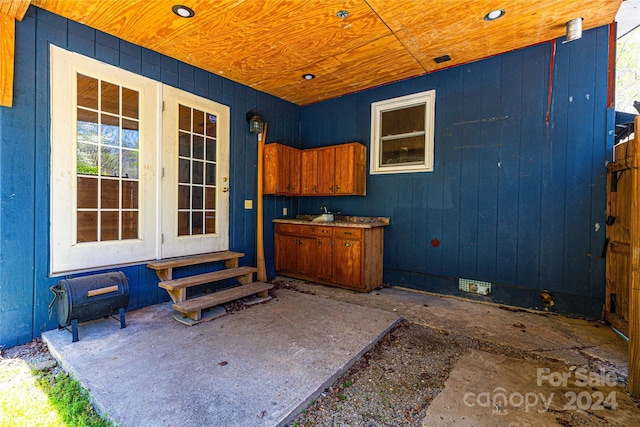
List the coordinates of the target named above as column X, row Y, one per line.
column 306, row 256
column 347, row 262
column 291, row 171
column 285, row 252
column 309, row 172
column 345, row 170
column 323, row 258
column 326, row 170
column 281, row 170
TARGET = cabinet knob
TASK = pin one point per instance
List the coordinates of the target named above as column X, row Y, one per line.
column 347, row 244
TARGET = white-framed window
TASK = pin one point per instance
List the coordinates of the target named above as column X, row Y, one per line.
column 117, row 196
column 402, row 134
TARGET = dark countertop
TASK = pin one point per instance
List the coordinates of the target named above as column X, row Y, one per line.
column 339, row 221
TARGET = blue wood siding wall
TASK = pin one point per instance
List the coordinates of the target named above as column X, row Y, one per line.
column 512, row 201
column 24, row 163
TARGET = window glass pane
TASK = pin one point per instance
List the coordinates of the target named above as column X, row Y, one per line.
column 196, row 223
column 212, row 125
column 210, row 177
column 209, row 198
column 110, row 101
column 109, row 161
column 404, row 120
column 87, row 126
column 130, row 164
column 87, row 226
column 87, row 193
column 130, row 100
column 130, row 225
column 87, row 95
column 110, row 130
column 109, row 225
column 196, row 197
column 129, row 194
column 87, row 159
column 130, row 134
column 184, row 118
column 198, row 172
column 183, row 224
column 404, row 150
column 211, row 150
column 198, row 122
column 109, row 194
column 210, row 222
column 198, row 147
column 184, row 171
column 184, row 145
column 184, row 196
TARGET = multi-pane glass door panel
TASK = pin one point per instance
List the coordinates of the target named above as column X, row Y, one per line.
column 107, row 163
column 197, row 161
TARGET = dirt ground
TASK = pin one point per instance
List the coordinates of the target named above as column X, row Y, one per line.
column 391, row 385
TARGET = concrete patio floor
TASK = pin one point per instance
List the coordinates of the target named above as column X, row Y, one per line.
column 262, row 365
column 256, row 367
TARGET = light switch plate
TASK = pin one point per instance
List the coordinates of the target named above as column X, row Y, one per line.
column 248, row 204
column 284, row 211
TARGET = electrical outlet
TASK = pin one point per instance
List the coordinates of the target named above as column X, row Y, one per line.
column 284, row 211
column 248, row 204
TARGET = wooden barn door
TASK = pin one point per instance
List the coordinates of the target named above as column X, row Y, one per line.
column 622, row 305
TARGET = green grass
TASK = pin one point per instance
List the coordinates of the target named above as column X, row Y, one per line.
column 37, row 398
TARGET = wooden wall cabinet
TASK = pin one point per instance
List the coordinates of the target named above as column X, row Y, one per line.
column 342, row 170
column 337, row 170
column 281, row 170
column 349, row 257
column 309, row 173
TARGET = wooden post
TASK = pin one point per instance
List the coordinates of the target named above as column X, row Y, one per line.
column 634, row 285
column 262, row 270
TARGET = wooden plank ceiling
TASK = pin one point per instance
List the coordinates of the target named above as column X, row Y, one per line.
column 270, row 44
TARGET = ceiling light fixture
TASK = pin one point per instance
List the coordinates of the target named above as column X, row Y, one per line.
column 494, row 14
column 183, row 11
column 574, row 30
column 342, row 14
column 308, row 76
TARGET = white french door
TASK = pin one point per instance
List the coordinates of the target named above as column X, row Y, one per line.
column 195, row 153
column 131, row 180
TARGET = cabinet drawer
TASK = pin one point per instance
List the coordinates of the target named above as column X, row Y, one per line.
column 297, row 229
column 347, row 233
column 325, row 231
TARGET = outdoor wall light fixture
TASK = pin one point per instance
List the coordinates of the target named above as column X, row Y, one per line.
column 183, row 11
column 574, row 30
column 255, row 122
column 494, row 14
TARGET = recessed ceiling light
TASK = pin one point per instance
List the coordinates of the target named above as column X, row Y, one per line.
column 342, row 14
column 308, row 76
column 494, row 14
column 183, row 11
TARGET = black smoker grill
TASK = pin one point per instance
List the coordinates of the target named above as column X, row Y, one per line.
column 90, row 297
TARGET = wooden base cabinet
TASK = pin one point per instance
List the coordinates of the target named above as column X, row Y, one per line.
column 349, row 257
